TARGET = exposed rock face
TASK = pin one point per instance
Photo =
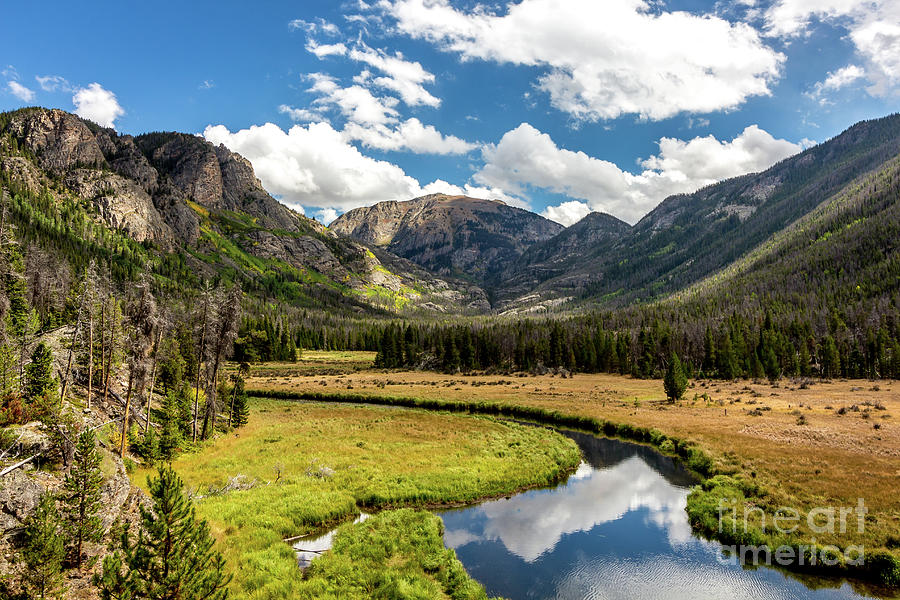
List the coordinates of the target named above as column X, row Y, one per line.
column 302, row 252
column 59, row 140
column 213, row 177
column 128, row 161
column 450, row 235
column 122, row 203
column 243, row 192
column 22, row 170
column 179, row 191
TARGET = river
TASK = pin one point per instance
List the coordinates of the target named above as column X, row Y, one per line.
column 615, row 529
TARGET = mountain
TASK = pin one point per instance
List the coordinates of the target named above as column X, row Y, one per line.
column 557, row 258
column 181, row 208
column 690, row 237
column 840, row 257
column 201, row 208
column 449, row 235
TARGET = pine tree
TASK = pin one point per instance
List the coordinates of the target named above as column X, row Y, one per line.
column 81, row 494
column 44, row 551
column 39, row 373
column 241, row 410
column 149, row 446
column 831, row 364
column 172, row 424
column 238, row 407
column 675, row 381
column 172, row 557
column 727, row 361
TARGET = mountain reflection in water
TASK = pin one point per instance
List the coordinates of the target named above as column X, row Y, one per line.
column 616, row 529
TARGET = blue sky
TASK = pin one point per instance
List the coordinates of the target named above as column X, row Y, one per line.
column 559, row 106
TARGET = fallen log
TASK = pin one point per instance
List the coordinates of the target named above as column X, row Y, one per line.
column 21, row 463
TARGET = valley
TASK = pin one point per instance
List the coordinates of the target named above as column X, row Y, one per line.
column 332, row 440
column 737, row 345
column 300, row 467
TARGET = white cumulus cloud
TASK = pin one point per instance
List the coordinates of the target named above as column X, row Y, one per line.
column 528, row 158
column 315, row 166
column 567, row 213
column 409, row 135
column 606, row 59
column 300, row 115
column 326, row 216
column 836, row 80
column 355, row 102
column 474, row 191
column 405, row 78
column 873, row 26
column 98, row 105
column 374, row 120
column 323, row 50
column 20, row 91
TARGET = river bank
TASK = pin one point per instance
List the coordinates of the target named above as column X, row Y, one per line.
column 304, row 466
column 727, row 477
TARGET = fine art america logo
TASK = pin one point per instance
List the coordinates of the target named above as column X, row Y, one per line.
column 786, row 521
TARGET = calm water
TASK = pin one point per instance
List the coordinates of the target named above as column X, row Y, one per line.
column 616, row 529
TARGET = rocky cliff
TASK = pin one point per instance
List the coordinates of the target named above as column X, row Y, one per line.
column 450, row 235
column 182, row 194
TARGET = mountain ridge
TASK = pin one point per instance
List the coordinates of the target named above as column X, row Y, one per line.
column 449, row 235
column 690, row 236
column 439, row 253
column 180, row 193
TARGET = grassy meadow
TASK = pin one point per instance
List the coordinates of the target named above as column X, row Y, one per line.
column 298, row 467
column 800, row 444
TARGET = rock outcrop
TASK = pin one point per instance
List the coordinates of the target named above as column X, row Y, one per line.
column 59, row 140
column 179, row 192
column 450, row 235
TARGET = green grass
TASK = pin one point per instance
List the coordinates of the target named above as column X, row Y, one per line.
column 376, row 458
column 881, row 566
column 396, row 554
column 318, row 362
column 704, row 512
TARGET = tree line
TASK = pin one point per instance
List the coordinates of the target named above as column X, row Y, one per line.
column 739, row 346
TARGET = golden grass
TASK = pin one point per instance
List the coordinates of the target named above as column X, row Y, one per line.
column 821, row 459
column 318, row 362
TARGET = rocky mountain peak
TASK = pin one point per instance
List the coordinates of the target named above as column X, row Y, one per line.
column 449, row 234
column 59, row 140
column 183, row 193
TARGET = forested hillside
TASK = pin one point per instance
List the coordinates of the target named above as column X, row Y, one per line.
column 820, row 297
column 792, row 271
column 175, row 205
column 689, row 237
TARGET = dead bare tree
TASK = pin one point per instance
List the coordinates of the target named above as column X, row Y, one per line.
column 225, row 327
column 108, row 347
column 72, row 344
column 141, row 321
column 160, row 330
column 90, row 293
column 205, row 308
